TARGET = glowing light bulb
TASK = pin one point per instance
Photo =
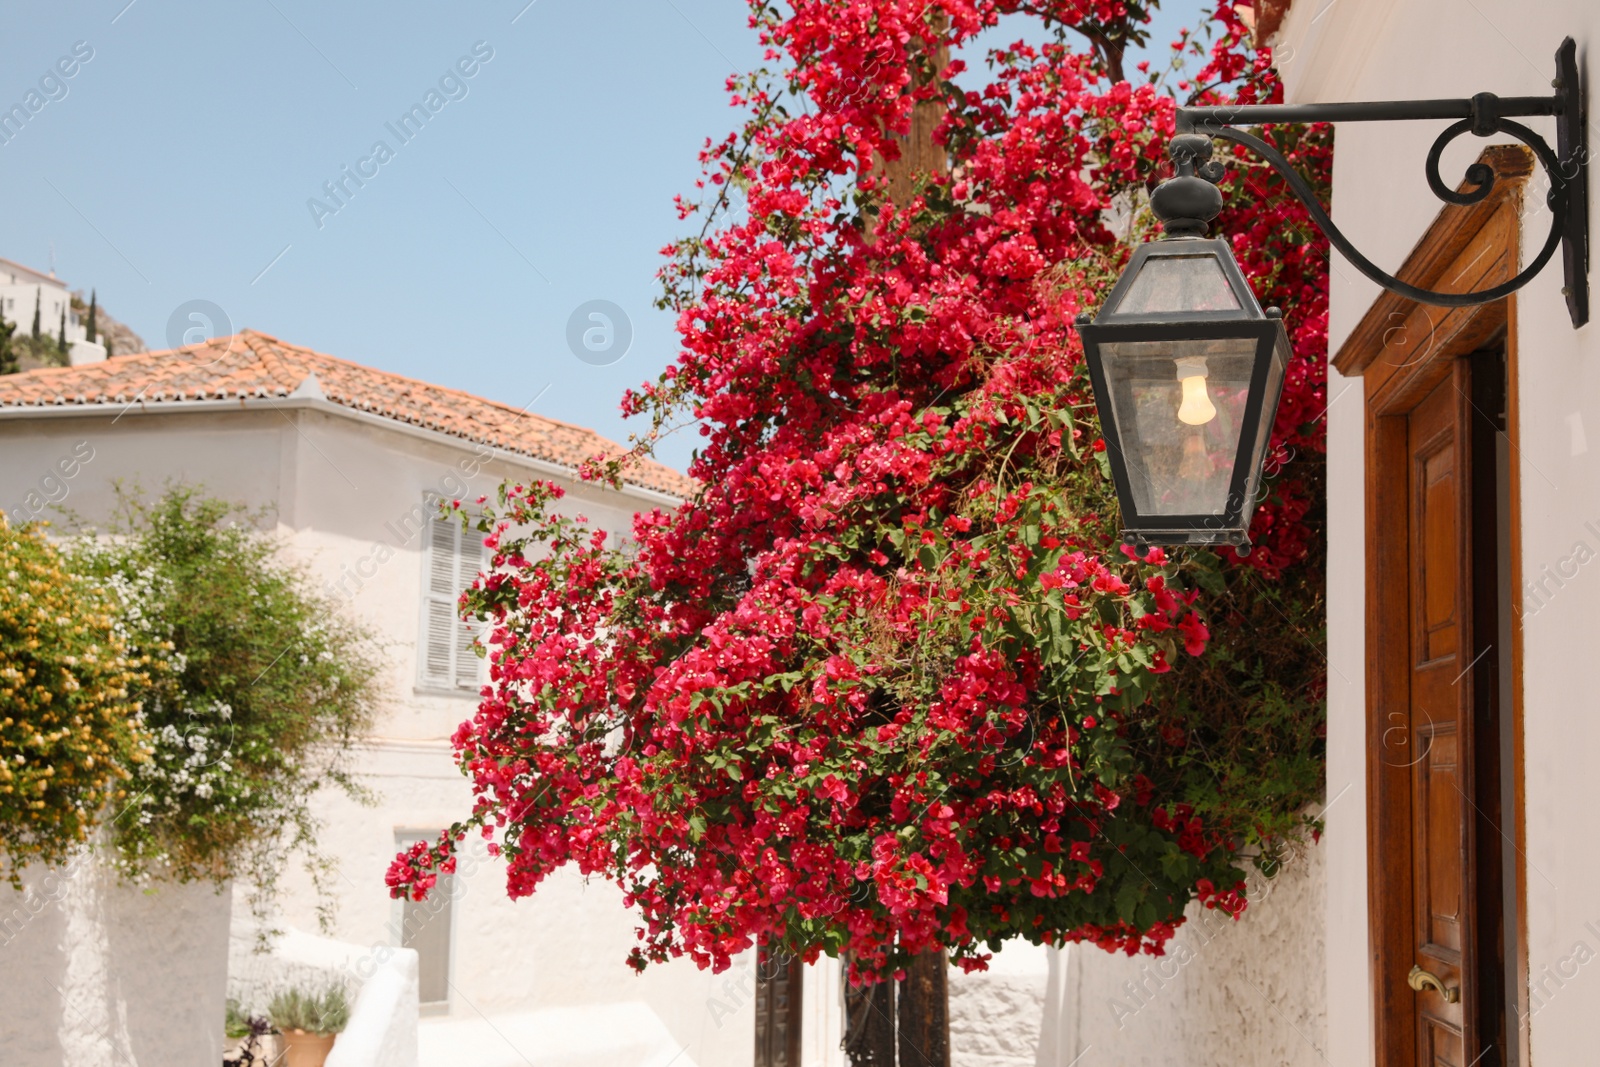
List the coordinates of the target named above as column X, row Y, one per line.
column 1196, row 409
column 1196, row 463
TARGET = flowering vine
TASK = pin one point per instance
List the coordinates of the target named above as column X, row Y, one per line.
column 887, row 683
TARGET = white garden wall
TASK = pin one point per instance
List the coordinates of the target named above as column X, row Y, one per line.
column 96, row 972
column 1250, row 991
column 383, row 1023
column 380, row 982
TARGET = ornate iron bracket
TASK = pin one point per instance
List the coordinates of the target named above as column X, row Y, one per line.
column 1188, row 202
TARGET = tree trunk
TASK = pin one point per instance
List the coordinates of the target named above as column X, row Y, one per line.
column 919, row 155
column 869, row 1024
column 925, row 1013
column 779, row 982
column 920, row 1028
column 904, row 1023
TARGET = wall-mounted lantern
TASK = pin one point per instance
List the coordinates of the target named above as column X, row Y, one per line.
column 1188, row 369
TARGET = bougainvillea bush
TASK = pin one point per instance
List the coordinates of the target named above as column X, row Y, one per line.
column 265, row 688
column 70, row 728
column 888, row 683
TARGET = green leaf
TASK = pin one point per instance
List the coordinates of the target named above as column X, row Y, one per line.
column 1128, row 899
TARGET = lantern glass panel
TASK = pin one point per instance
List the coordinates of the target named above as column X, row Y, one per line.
column 1179, row 408
column 1172, row 284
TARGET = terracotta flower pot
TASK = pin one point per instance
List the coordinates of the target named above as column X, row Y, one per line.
column 306, row 1050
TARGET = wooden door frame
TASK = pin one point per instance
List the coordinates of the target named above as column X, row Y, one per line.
column 1402, row 350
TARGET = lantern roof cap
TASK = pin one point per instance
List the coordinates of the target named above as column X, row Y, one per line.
column 1180, row 279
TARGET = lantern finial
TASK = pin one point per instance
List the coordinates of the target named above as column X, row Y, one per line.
column 1187, row 202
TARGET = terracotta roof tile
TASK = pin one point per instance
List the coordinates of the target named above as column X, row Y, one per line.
column 251, row 364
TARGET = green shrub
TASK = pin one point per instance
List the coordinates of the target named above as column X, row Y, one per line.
column 235, row 1023
column 268, row 687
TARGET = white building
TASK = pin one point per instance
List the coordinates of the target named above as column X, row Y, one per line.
column 1452, row 911
column 348, row 458
column 1464, row 502
column 23, row 288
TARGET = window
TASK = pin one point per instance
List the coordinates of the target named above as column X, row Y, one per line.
column 452, row 561
column 622, row 540
column 425, row 926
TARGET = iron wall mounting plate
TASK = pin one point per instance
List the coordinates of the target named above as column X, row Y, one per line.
column 1572, row 148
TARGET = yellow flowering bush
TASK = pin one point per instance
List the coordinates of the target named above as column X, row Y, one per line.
column 70, row 727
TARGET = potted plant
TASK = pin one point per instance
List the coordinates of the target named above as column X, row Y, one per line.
column 308, row 1022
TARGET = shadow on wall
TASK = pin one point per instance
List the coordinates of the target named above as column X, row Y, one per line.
column 33, row 957
column 1246, row 992
column 101, row 972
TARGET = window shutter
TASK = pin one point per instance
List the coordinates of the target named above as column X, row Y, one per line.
column 454, row 559
column 436, row 667
column 469, row 562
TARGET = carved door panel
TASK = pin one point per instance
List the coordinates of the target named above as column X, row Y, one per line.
column 1439, row 719
column 1455, row 972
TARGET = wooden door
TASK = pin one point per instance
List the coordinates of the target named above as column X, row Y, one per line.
column 1439, row 721
column 1437, row 890
column 1444, row 828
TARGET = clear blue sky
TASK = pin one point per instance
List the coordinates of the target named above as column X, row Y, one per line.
column 177, row 162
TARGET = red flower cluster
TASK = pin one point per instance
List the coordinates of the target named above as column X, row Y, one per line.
column 881, row 686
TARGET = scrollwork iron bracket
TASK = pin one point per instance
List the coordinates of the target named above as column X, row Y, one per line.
column 1188, row 202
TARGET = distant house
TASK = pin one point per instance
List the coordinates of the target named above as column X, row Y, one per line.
column 351, row 461
column 23, row 288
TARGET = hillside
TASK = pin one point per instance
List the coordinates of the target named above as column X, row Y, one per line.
column 123, row 340
column 33, row 354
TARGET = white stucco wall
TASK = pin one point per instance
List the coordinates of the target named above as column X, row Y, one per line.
column 1386, row 49
column 99, row 972
column 1344, row 840
column 383, row 1020
column 1008, row 1016
column 1249, row 991
column 1246, row 992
